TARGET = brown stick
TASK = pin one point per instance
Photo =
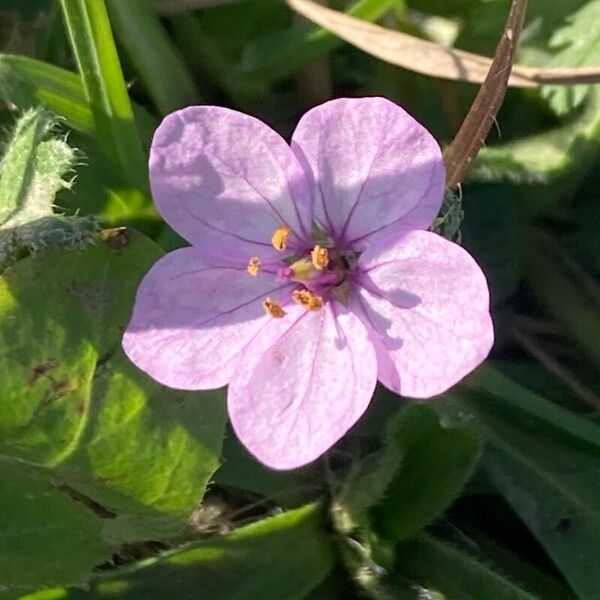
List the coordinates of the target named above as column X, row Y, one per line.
column 428, row 58
column 480, row 118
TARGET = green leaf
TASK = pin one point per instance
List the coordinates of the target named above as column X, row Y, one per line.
column 27, row 83
column 281, row 54
column 559, row 157
column 153, row 55
column 32, row 171
column 241, row 471
column 578, row 42
column 412, row 480
column 446, row 572
column 72, row 402
column 514, row 396
column 553, row 485
column 280, row 558
column 565, row 290
column 104, row 85
column 47, row 539
column 491, row 232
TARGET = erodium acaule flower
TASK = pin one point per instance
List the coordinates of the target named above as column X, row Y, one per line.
column 311, row 273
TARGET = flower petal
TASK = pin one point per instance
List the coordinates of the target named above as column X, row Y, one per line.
column 225, row 181
column 427, row 302
column 373, row 165
column 306, row 382
column 191, row 321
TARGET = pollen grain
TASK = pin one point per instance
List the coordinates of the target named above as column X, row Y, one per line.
column 307, row 299
column 280, row 238
column 273, row 309
column 320, row 257
column 253, row 266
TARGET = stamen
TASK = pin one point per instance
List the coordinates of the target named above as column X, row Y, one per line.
column 272, row 308
column 307, row 299
column 280, row 238
column 253, row 266
column 320, row 257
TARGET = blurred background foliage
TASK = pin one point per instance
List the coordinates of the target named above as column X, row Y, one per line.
column 490, row 492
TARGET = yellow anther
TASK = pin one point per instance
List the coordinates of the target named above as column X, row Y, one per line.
column 272, row 308
column 280, row 238
column 320, row 257
column 253, row 266
column 307, row 299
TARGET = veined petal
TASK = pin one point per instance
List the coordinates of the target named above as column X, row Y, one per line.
column 191, row 320
column 373, row 165
column 306, row 381
column 427, row 302
column 225, row 181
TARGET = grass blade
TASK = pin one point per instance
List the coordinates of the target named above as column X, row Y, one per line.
column 274, row 58
column 156, row 59
column 96, row 55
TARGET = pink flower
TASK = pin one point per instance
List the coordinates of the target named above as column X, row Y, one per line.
column 311, row 273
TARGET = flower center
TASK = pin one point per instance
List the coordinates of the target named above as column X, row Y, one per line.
column 321, row 272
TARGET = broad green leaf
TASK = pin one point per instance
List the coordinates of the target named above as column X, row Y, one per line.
column 565, row 290
column 70, row 400
column 279, row 558
column 578, row 45
column 105, row 90
column 281, row 54
column 33, row 170
column 47, row 539
column 448, row 573
column 153, row 55
column 552, row 483
column 241, row 471
column 411, row 481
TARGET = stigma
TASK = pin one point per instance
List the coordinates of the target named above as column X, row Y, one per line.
column 273, row 309
column 280, row 238
column 307, row 299
column 253, row 266
column 320, row 257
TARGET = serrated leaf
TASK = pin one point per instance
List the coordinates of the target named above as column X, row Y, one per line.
column 408, row 484
column 71, row 402
column 32, row 171
column 578, row 45
column 279, row 558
